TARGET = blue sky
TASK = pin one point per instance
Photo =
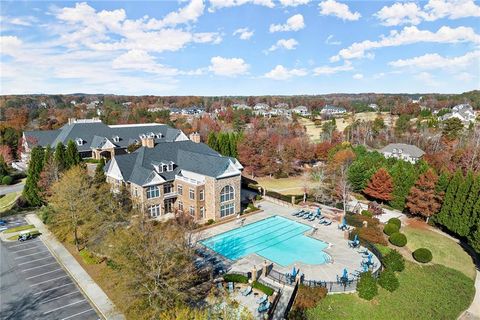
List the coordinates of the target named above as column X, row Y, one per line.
column 239, row 47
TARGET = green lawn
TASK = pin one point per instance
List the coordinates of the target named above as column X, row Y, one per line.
column 20, row 228
column 445, row 251
column 7, row 201
column 426, row 292
column 286, row 186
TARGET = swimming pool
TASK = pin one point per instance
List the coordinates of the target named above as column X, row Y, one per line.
column 277, row 239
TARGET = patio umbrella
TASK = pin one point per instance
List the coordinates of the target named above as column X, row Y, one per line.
column 370, row 258
column 318, row 211
column 294, row 272
column 365, row 267
column 345, row 273
column 355, row 239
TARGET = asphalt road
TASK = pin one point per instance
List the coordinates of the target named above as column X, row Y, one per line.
column 13, row 188
column 33, row 285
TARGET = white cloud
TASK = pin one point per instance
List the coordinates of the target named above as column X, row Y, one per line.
column 427, row 79
column 229, row 67
column 23, row 21
column 244, row 33
column 293, row 3
column 218, row 4
column 436, row 61
column 347, row 66
column 332, row 42
column 282, row 73
column 189, row 13
column 357, row 76
column 340, row 10
column 294, row 23
column 409, row 35
column 289, row 44
column 410, row 13
column 10, row 45
column 466, row 77
column 142, row 61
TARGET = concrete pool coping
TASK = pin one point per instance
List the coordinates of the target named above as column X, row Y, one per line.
column 341, row 255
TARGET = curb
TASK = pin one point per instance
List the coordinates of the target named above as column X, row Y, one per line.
column 77, row 283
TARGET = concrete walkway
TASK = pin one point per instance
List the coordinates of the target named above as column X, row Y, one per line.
column 473, row 312
column 94, row 293
column 13, row 188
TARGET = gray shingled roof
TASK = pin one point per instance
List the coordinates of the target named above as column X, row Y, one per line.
column 410, row 149
column 93, row 133
column 136, row 167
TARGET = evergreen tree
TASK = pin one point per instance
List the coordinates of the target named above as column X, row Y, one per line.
column 3, row 167
column 212, row 141
column 473, row 197
column 60, row 156
column 442, row 184
column 474, row 236
column 99, row 176
column 232, row 138
column 48, row 154
column 459, row 222
column 31, row 191
column 422, row 199
column 72, row 158
column 443, row 217
column 404, row 176
column 380, row 186
column 223, row 144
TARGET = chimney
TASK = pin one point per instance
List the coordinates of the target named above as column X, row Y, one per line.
column 147, row 142
column 195, row 137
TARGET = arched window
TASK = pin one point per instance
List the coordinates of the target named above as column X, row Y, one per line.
column 227, row 194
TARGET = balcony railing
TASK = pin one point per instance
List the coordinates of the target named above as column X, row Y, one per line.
column 188, row 180
column 170, row 195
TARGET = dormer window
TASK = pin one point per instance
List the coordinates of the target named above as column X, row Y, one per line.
column 151, row 135
column 116, row 139
column 158, row 135
column 400, row 150
column 79, row 141
column 170, row 167
column 143, row 136
column 394, row 150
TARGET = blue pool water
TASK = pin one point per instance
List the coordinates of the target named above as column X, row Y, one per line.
column 277, row 239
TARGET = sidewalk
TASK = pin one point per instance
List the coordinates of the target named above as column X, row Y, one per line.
column 473, row 312
column 94, row 293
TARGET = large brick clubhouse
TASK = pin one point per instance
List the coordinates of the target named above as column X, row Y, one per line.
column 169, row 173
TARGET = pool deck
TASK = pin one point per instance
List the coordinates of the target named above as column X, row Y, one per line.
column 342, row 255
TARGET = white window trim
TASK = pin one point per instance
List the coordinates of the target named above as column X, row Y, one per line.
column 201, row 195
column 190, row 191
column 151, row 187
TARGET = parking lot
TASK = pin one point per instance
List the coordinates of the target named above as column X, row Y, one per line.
column 33, row 285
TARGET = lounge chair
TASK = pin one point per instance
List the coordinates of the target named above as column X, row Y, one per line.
column 247, row 291
column 262, row 299
column 264, row 307
column 312, row 218
column 297, row 213
column 230, row 287
column 328, row 223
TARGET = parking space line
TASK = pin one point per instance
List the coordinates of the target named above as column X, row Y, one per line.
column 43, row 265
column 63, row 295
column 31, row 254
column 77, row 314
column 43, row 291
column 49, row 280
column 34, row 260
column 34, row 247
column 67, row 305
column 42, row 274
column 22, row 244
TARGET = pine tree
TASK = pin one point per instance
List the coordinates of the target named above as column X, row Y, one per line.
column 404, row 176
column 72, row 158
column 31, row 191
column 459, row 222
column 442, row 184
column 422, row 199
column 48, row 154
column 212, row 141
column 60, row 156
column 443, row 217
column 380, row 186
column 3, row 167
column 223, row 144
column 473, row 197
column 99, row 176
column 233, row 139
column 474, row 236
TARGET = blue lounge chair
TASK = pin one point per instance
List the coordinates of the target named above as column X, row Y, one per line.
column 230, row 287
column 264, row 307
column 328, row 223
column 312, row 218
column 262, row 299
column 297, row 213
column 307, row 216
column 247, row 291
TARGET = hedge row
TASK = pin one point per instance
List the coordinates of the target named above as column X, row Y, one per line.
column 235, row 278
column 265, row 289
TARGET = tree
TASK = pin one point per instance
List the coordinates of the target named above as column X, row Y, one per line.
column 422, row 199
column 6, row 154
column 380, row 186
column 49, row 175
column 72, row 157
column 48, row 154
column 31, row 191
column 459, row 222
column 404, row 176
column 99, row 176
column 452, row 128
column 60, row 156
column 402, row 124
column 442, row 184
column 443, row 217
column 212, row 141
column 3, row 167
column 469, row 207
column 72, row 200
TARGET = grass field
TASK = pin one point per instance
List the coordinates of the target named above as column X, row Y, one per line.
column 7, row 201
column 445, row 251
column 20, row 228
column 292, row 185
column 426, row 292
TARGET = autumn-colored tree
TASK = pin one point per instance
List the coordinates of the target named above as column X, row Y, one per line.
column 423, row 200
column 380, row 186
column 6, row 153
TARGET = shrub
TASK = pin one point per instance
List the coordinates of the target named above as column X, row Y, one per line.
column 394, row 261
column 395, row 221
column 388, row 281
column 7, row 180
column 422, row 255
column 88, row 257
column 235, row 278
column 209, row 222
column 1, row 178
column 258, row 197
column 398, row 239
column 367, row 286
column 372, row 234
column 367, row 213
column 308, row 297
column 390, row 229
column 297, row 314
column 267, row 290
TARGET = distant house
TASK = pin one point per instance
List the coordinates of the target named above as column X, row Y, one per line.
column 333, row 110
column 126, row 104
column 261, row 106
column 282, row 105
column 241, row 106
column 93, row 105
column 373, row 106
column 301, row 110
column 402, row 151
column 464, row 112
